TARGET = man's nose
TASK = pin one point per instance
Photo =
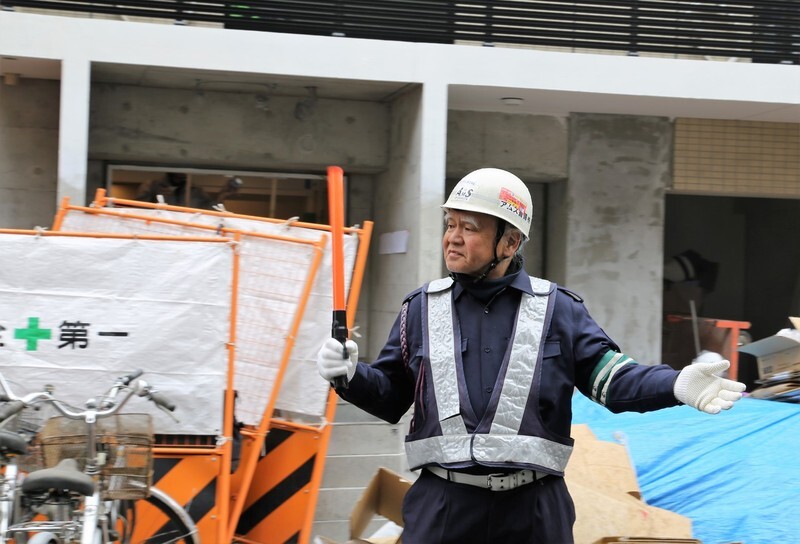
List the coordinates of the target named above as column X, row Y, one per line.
column 457, row 235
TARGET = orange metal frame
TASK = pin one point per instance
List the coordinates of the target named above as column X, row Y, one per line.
column 219, row 239
column 732, row 341
column 233, row 490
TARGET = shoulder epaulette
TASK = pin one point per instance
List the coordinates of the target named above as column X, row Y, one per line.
column 412, row 295
column 574, row 295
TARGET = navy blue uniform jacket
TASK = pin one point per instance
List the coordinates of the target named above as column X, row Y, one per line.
column 574, row 347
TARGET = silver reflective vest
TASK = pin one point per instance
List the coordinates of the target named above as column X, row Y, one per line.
column 503, row 442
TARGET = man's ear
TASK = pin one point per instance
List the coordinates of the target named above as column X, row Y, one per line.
column 512, row 240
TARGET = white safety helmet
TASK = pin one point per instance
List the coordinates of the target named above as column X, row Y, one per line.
column 494, row 192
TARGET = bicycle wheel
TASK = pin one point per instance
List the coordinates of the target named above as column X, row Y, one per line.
column 159, row 519
column 43, row 538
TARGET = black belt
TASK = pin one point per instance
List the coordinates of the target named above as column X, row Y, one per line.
column 495, row 482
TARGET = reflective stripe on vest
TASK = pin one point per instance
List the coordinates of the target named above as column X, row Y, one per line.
column 503, row 444
column 442, row 356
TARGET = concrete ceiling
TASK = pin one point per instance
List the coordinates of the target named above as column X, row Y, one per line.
column 564, row 102
column 472, row 98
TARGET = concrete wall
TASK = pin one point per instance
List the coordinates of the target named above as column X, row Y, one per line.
column 28, row 153
column 219, row 129
column 618, row 172
column 534, row 147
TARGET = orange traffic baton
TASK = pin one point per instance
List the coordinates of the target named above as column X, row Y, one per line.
column 336, row 217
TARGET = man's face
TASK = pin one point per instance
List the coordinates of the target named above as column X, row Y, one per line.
column 468, row 243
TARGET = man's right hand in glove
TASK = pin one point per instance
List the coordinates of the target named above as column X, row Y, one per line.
column 331, row 363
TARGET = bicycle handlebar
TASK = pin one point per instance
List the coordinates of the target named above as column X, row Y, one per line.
column 161, row 400
column 132, row 376
column 129, row 384
column 11, row 408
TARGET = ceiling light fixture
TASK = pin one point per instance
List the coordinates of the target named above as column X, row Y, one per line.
column 512, row 100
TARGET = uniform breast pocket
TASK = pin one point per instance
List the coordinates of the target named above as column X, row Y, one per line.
column 557, row 379
column 551, row 349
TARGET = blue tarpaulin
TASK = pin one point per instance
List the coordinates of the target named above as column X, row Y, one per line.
column 736, row 474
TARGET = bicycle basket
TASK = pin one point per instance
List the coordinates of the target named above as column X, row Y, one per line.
column 27, row 424
column 124, row 448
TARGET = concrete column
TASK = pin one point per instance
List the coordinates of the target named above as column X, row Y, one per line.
column 408, row 196
column 73, row 138
column 613, row 244
column 28, row 153
column 433, row 161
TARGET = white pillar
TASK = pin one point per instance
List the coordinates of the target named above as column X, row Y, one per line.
column 433, row 171
column 73, row 136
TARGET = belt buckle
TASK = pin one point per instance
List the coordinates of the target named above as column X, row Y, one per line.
column 501, row 482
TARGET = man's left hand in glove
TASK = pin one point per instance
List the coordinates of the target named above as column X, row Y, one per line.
column 698, row 386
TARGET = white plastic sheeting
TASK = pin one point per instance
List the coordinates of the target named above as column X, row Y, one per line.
column 77, row 312
column 270, row 279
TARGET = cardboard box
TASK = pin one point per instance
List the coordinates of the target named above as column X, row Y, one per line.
column 592, row 457
column 605, row 490
column 778, row 353
column 601, row 515
column 383, row 496
column 785, row 391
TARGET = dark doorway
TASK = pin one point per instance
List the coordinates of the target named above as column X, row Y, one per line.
column 754, row 242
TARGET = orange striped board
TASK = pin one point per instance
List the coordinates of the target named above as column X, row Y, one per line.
column 278, row 502
column 191, row 481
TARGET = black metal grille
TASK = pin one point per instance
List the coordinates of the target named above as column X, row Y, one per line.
column 761, row 30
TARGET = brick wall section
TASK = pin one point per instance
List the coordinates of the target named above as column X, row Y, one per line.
column 741, row 158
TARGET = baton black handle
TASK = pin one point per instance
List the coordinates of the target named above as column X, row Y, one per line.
column 339, row 332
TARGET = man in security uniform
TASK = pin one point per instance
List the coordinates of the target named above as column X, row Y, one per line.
column 490, row 357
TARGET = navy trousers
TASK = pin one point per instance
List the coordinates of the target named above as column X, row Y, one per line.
column 436, row 511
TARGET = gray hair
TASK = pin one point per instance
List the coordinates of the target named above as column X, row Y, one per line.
column 510, row 229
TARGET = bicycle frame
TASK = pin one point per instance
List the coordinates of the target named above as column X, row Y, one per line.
column 8, row 487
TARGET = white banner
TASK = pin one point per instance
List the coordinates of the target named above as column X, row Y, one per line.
column 77, row 312
column 271, row 273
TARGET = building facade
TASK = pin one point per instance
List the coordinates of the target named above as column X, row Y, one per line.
column 603, row 140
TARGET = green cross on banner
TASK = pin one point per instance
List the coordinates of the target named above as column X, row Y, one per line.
column 32, row 334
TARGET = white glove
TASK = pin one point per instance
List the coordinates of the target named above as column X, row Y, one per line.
column 697, row 386
column 331, row 362
column 706, row 356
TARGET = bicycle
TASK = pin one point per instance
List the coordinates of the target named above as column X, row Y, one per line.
column 99, row 464
column 13, row 447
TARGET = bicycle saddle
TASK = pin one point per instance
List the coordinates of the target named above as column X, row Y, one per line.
column 64, row 476
column 12, row 443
